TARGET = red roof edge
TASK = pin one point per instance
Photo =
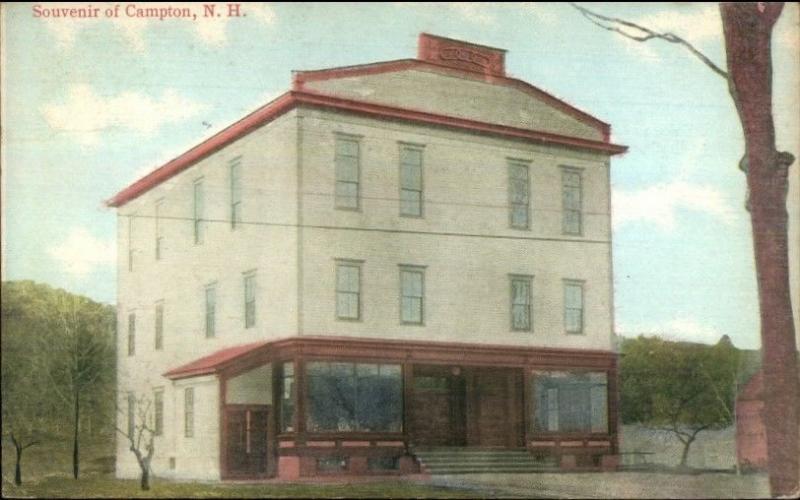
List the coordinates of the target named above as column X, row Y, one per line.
column 300, row 77
column 258, row 117
column 291, row 99
column 214, row 362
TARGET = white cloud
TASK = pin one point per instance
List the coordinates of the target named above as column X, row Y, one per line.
column 87, row 113
column 81, row 252
column 660, row 203
column 678, row 329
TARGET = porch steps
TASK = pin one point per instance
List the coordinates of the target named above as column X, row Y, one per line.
column 479, row 460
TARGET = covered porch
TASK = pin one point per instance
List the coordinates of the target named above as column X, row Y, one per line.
column 310, row 406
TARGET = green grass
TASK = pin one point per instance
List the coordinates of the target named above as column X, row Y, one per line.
column 46, row 473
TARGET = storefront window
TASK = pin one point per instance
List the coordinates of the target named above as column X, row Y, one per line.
column 362, row 397
column 570, row 402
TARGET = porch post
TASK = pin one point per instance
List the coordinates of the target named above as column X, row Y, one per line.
column 223, row 427
column 408, row 395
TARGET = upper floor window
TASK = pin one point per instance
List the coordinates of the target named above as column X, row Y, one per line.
column 199, row 209
column 249, row 299
column 158, row 412
column 571, row 200
column 412, row 295
column 131, row 334
column 236, row 192
column 573, row 306
column 211, row 310
column 131, row 218
column 410, row 180
column 188, row 412
column 131, row 414
column 348, row 289
column 519, row 194
column 521, row 303
column 159, row 337
column 347, row 172
column 159, row 229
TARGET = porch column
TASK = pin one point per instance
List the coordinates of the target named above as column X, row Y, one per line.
column 408, row 395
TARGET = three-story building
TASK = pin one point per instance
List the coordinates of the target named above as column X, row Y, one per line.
column 388, row 257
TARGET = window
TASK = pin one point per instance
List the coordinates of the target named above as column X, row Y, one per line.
column 521, row 303
column 410, row 181
column 188, row 412
column 571, row 199
column 287, row 397
column 158, row 412
column 131, row 334
column 211, row 311
column 159, row 325
column 199, row 208
column 131, row 414
column 570, row 402
column 131, row 217
column 347, row 172
column 249, row 300
column 348, row 290
column 573, row 306
column 412, row 295
column 354, row 397
column 518, row 194
column 236, row 192
column 159, row 229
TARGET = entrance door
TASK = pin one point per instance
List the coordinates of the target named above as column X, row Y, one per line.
column 495, row 408
column 438, row 407
column 246, row 440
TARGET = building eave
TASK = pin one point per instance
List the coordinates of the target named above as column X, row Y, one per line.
column 291, row 99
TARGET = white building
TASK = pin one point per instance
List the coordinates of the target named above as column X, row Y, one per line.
column 388, row 257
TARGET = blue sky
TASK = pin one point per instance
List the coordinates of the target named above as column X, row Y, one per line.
column 90, row 105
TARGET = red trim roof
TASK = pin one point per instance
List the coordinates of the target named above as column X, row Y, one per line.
column 291, row 99
column 300, row 77
column 214, row 362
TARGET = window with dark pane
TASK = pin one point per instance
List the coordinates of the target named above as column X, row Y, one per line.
column 412, row 296
column 347, row 173
column 347, row 397
column 236, row 192
column 521, row 303
column 411, row 181
column 519, row 194
column 570, row 402
column 573, row 306
column 348, row 291
column 571, row 201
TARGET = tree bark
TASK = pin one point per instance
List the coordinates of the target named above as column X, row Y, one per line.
column 18, row 466
column 76, row 430
column 145, row 480
column 748, row 32
column 685, row 454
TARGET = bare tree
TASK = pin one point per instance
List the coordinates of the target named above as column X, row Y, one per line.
column 20, row 445
column 140, row 436
column 78, row 355
column 748, row 29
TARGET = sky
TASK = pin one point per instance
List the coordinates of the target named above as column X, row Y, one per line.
column 90, row 105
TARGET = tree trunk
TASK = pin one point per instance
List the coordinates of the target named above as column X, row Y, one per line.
column 145, row 480
column 18, row 466
column 748, row 33
column 76, row 430
column 685, row 454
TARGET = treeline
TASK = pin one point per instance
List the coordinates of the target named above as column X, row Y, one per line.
column 58, row 366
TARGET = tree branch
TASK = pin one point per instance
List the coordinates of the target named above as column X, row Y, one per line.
column 647, row 34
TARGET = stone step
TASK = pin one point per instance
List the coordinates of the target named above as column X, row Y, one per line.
column 480, row 460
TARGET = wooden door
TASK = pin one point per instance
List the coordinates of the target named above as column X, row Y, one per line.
column 495, row 408
column 246, row 439
column 438, row 407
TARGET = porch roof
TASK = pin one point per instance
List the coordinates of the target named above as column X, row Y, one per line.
column 214, row 362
